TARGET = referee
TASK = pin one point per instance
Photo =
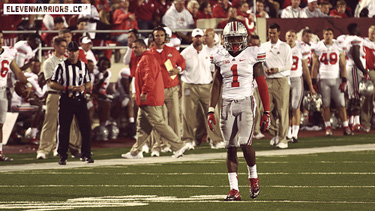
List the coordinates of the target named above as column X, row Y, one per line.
column 72, row 78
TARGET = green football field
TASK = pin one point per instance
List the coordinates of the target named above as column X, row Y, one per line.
column 308, row 181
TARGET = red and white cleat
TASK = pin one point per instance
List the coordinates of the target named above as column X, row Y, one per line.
column 233, row 195
column 254, row 187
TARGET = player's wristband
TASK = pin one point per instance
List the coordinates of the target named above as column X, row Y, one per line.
column 28, row 84
column 211, row 110
column 343, row 80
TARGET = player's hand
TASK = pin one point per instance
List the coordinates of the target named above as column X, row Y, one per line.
column 265, row 121
column 210, row 120
column 27, row 92
column 366, row 77
column 343, row 85
column 312, row 92
column 143, row 97
column 106, row 74
column 174, row 71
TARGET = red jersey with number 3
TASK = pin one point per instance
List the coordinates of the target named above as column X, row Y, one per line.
column 237, row 72
column 329, row 57
column 6, row 57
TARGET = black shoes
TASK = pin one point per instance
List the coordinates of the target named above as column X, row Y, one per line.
column 62, row 160
column 87, row 159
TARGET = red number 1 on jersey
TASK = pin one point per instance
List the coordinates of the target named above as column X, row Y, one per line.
column 235, row 82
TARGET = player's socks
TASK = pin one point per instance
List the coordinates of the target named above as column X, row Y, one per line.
column 233, row 180
column 345, row 123
column 327, row 124
column 252, row 171
column 295, row 131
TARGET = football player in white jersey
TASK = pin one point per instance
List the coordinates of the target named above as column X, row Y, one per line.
column 7, row 63
column 329, row 67
column 236, row 67
column 356, row 71
column 300, row 53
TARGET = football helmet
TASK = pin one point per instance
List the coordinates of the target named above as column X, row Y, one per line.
column 113, row 131
column 235, row 37
column 100, row 133
column 312, row 102
column 365, row 88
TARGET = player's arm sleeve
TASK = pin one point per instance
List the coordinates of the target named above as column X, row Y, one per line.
column 262, row 85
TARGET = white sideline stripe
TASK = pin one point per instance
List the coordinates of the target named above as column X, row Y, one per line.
column 187, row 173
column 183, row 186
column 191, row 157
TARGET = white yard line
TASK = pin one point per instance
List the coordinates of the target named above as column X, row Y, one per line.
column 191, row 157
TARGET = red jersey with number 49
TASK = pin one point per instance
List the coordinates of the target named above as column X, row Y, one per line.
column 237, row 72
column 6, row 57
column 299, row 53
column 329, row 57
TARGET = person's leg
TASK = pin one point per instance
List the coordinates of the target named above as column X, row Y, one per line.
column 65, row 118
column 282, row 107
column 190, row 107
column 144, row 129
column 83, row 119
column 48, row 135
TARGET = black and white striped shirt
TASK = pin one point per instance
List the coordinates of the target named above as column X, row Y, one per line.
column 68, row 74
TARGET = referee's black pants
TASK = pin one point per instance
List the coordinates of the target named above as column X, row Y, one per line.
column 68, row 107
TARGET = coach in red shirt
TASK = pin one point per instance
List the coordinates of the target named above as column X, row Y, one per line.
column 163, row 53
column 149, row 91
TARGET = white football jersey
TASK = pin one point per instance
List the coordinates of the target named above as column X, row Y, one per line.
column 306, row 48
column 299, row 53
column 103, row 88
column 6, row 57
column 351, row 41
column 237, row 72
column 329, row 59
column 24, row 53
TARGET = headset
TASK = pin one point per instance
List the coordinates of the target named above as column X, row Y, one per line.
column 161, row 28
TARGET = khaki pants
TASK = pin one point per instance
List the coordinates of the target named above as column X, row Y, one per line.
column 196, row 95
column 368, row 106
column 258, row 112
column 173, row 109
column 149, row 118
column 48, row 133
column 279, row 89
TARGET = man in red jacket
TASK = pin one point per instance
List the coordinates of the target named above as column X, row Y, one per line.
column 149, row 89
column 163, row 53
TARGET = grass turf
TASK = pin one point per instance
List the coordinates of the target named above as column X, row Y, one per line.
column 324, row 181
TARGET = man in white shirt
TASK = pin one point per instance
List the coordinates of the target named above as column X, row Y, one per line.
column 177, row 17
column 197, row 79
column 312, row 11
column 293, row 11
column 278, row 64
